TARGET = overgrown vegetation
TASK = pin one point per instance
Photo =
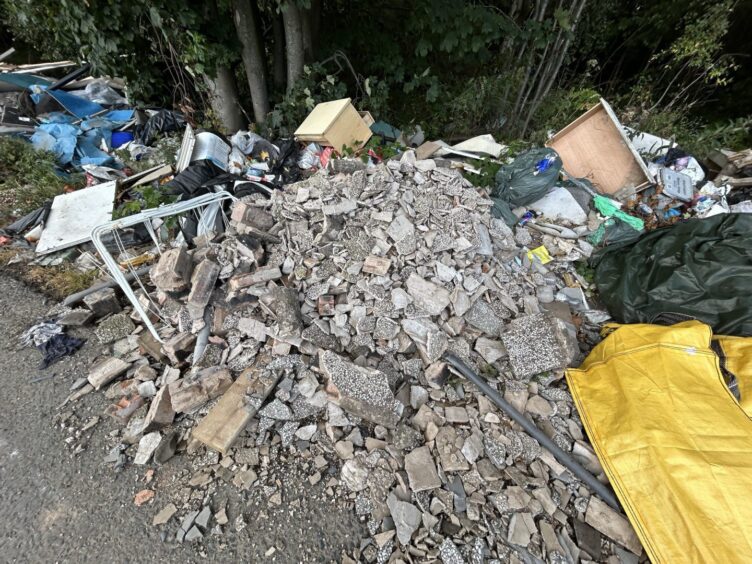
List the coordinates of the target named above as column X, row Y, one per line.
column 515, row 68
column 57, row 282
column 28, row 178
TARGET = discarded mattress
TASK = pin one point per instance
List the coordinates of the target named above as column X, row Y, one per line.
column 699, row 268
column 673, row 440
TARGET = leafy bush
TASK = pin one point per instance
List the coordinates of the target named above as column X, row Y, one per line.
column 28, row 178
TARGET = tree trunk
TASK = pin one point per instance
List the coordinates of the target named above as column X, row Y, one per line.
column 253, row 60
column 223, row 95
column 278, row 69
column 293, row 41
column 305, row 25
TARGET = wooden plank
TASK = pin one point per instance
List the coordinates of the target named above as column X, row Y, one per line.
column 594, row 147
column 220, row 428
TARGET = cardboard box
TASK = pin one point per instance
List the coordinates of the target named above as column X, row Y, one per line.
column 335, row 124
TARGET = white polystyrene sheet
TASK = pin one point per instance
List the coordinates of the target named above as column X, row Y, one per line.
column 559, row 204
column 74, row 215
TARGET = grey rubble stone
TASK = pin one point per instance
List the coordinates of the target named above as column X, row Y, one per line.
column 490, row 349
column 146, row 447
column 519, row 532
column 276, row 410
column 421, row 470
column 173, row 271
column 115, row 327
column 483, row 317
column 204, row 279
column 426, row 295
column 449, row 553
column 450, row 456
column 405, row 437
column 106, row 371
column 533, row 346
column 283, row 302
column 77, row 317
column 361, row 391
column 193, row 534
column 406, row 517
column 165, row 514
column 202, row 519
column 102, row 302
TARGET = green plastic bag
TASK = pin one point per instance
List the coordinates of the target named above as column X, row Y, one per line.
column 524, row 181
column 701, row 268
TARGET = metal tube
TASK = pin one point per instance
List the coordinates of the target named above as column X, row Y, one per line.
column 564, row 459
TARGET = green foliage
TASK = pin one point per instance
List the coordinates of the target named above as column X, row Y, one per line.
column 313, row 87
column 28, row 178
column 560, row 108
column 487, row 176
column 147, row 42
column 144, row 198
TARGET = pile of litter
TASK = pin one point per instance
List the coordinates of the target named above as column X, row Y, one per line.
column 327, row 336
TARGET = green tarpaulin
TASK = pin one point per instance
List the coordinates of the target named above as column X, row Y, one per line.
column 701, row 268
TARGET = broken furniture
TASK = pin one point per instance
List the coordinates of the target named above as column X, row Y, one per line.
column 595, row 147
column 208, row 204
column 334, row 124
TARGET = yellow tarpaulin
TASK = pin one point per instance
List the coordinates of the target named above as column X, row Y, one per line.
column 673, row 440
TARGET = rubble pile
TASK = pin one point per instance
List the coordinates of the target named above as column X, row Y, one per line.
column 317, row 324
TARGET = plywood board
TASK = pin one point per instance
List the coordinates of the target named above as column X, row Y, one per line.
column 74, row 215
column 595, row 147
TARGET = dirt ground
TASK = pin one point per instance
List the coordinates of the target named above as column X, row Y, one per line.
column 61, row 502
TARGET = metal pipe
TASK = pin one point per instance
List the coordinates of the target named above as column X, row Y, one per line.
column 564, row 459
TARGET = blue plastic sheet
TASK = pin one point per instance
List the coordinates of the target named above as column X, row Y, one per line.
column 59, row 138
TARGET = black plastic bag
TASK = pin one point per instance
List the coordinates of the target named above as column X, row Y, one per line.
column 57, row 347
column 193, row 180
column 163, row 121
column 699, row 267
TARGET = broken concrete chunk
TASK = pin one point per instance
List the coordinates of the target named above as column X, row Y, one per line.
column 188, row 395
column 160, row 412
column 146, row 447
column 252, row 328
column 259, row 276
column 103, row 302
column 376, row 265
column 283, row 302
column 113, row 328
column 202, row 285
column 406, row 517
column 616, row 527
column 252, row 216
column 421, row 470
column 179, row 347
column 533, row 346
column 165, row 514
column 483, row 317
column 173, row 271
column 223, row 424
column 427, row 296
column 361, row 391
column 106, row 371
column 490, row 349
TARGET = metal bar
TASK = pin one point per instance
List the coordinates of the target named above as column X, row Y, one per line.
column 564, row 459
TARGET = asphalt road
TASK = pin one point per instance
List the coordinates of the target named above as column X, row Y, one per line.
column 59, row 505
